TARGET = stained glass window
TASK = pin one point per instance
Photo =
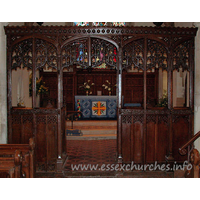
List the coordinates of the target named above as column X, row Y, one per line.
column 99, row 23
column 81, row 23
column 118, row 23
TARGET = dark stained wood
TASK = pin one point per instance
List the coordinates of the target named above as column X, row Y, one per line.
column 25, row 155
column 180, row 136
column 151, row 143
column 137, row 142
column 141, row 134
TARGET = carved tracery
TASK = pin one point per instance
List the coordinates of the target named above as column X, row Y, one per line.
column 46, row 55
column 181, row 56
column 103, row 52
column 133, row 55
column 156, row 55
column 22, row 55
column 75, row 52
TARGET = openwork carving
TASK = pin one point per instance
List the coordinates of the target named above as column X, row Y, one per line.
column 127, row 119
column 27, row 119
column 176, row 118
column 181, row 56
column 52, row 119
column 46, row 55
column 156, row 55
column 16, row 119
column 133, row 55
column 163, row 118
column 138, row 118
column 22, row 55
column 41, row 119
column 75, row 52
column 151, row 118
column 103, row 52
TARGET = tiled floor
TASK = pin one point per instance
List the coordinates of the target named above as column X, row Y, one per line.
column 96, row 153
column 90, row 152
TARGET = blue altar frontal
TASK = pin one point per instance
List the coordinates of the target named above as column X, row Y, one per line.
column 96, row 107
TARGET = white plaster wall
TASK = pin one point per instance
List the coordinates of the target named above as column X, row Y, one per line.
column 3, row 86
column 197, row 86
column 20, row 87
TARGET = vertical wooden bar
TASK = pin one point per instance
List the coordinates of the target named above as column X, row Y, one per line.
column 119, row 105
column 169, row 157
column 89, row 51
column 34, row 88
column 60, row 97
column 191, row 71
column 34, row 75
column 145, row 101
column 191, row 86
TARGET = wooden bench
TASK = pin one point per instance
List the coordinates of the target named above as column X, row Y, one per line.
column 8, row 153
column 11, row 167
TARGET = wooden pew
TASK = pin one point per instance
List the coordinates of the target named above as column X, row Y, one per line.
column 7, row 151
column 11, row 167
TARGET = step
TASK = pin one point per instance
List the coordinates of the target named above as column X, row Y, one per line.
column 93, row 137
column 87, row 124
column 98, row 131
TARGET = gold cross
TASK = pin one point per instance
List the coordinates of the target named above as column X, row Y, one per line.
column 99, row 108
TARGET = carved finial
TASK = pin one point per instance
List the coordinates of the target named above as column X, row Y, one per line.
column 32, row 143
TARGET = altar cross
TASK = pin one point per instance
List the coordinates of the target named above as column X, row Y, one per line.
column 99, row 108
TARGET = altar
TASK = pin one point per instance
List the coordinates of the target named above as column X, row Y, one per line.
column 96, row 107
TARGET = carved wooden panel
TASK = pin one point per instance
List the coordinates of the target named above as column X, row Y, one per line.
column 180, row 135
column 16, row 129
column 150, row 141
column 75, row 52
column 181, row 58
column 157, row 140
column 132, row 138
column 133, row 55
column 27, row 128
column 46, row 140
column 46, row 55
column 137, row 142
column 162, row 141
column 103, row 52
column 157, row 56
column 133, row 88
column 22, row 55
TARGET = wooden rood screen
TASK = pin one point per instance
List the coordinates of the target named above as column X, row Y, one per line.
column 153, row 68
